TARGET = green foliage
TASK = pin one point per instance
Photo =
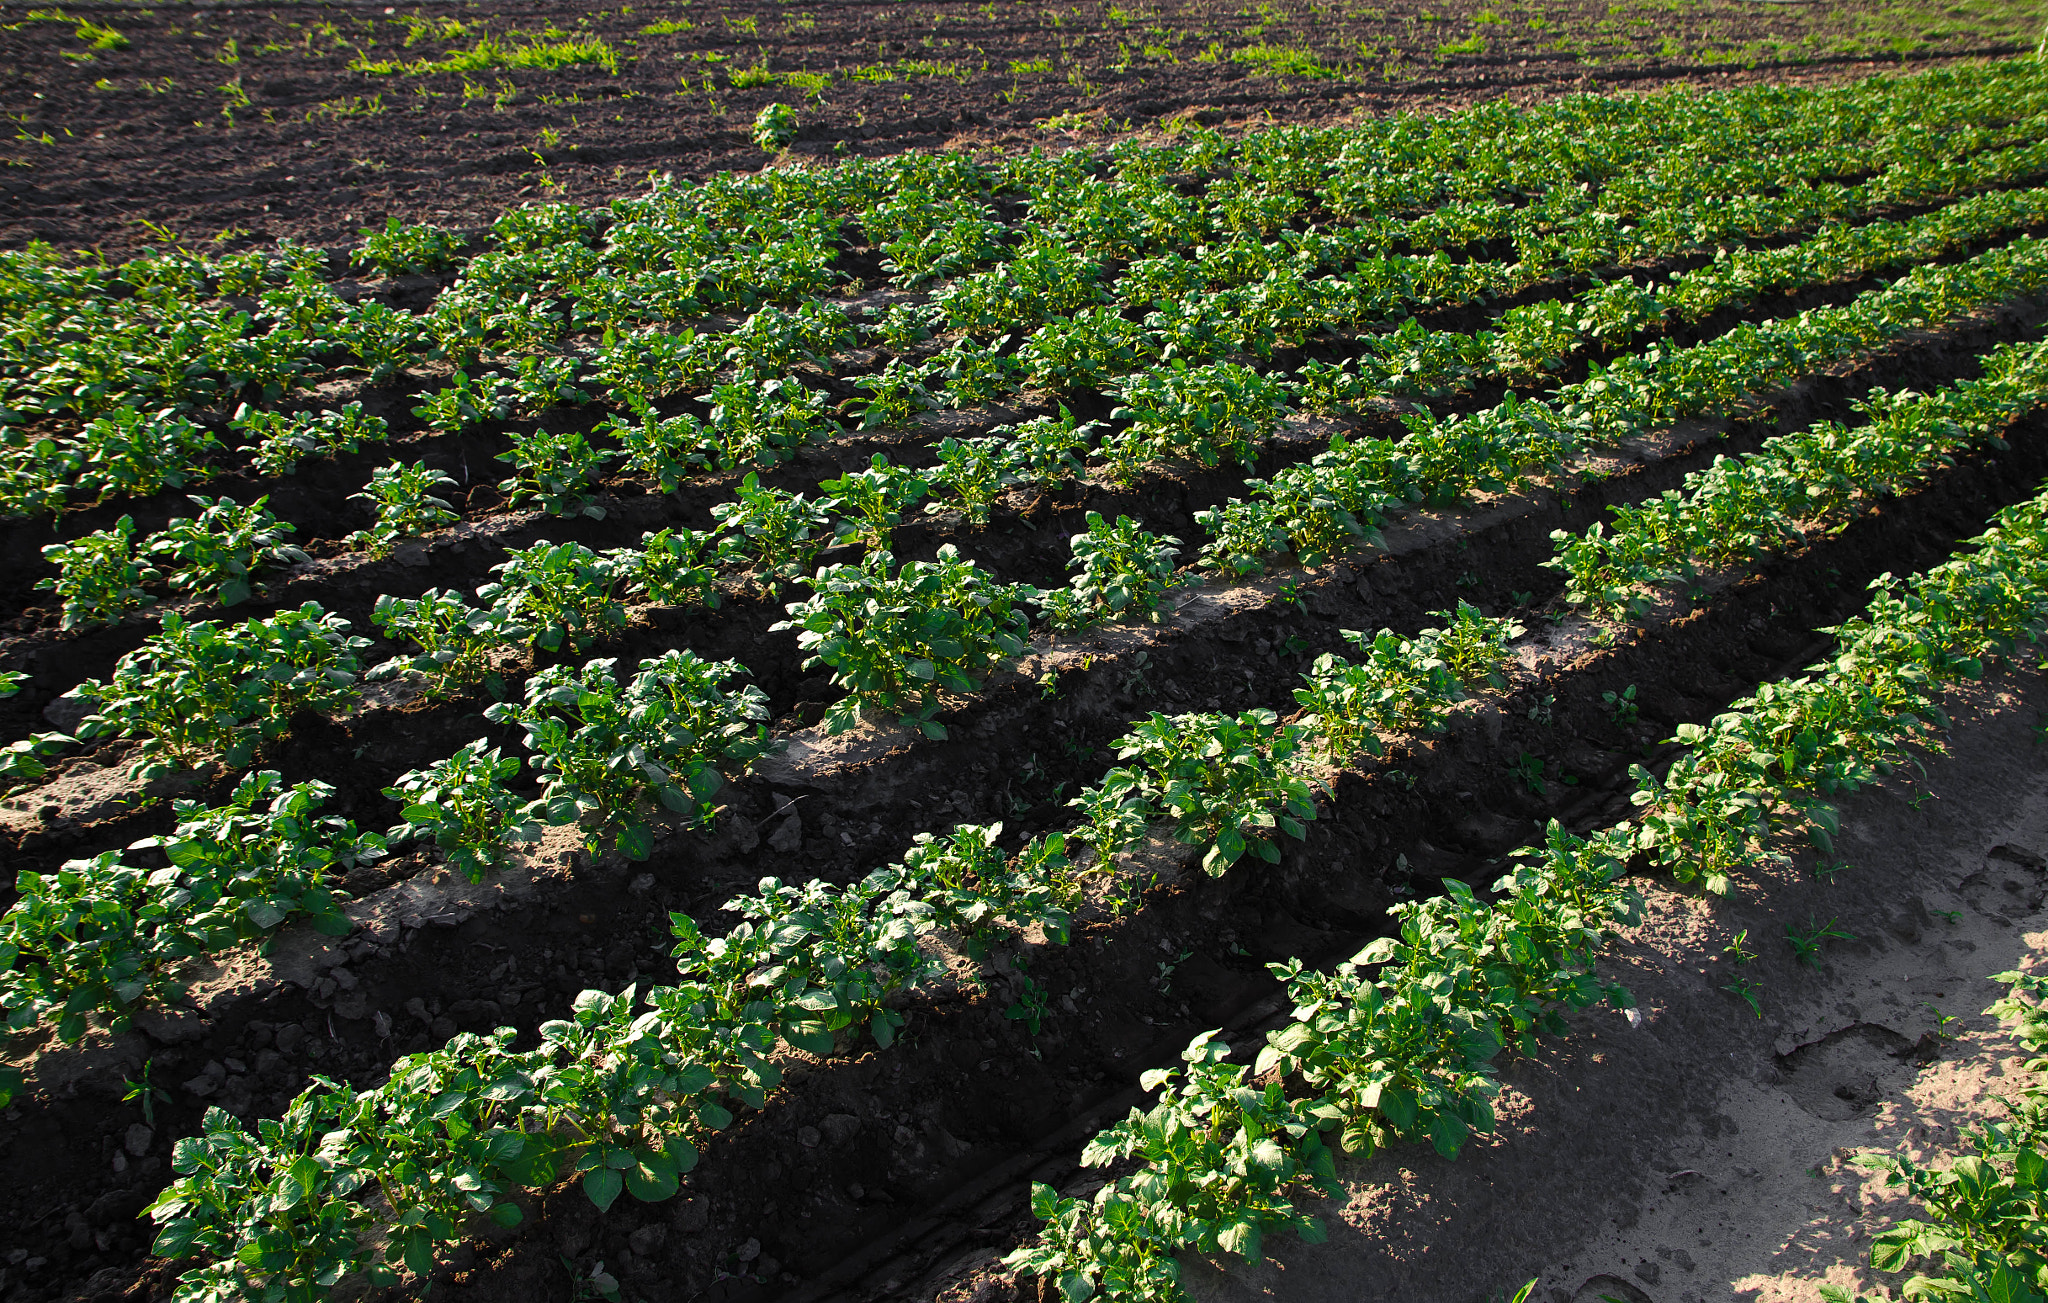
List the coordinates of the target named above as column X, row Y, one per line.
column 893, row 636
column 1203, row 414
column 1740, row 508
column 462, row 803
column 468, row 402
column 219, row 552
column 775, row 127
column 1223, row 780
column 965, row 883
column 643, row 365
column 560, row 594
column 1402, row 683
column 875, row 499
column 540, row 381
column 971, row 475
column 22, row 760
column 773, row 340
column 667, row 450
column 1404, row 1054
column 665, row 735
column 1083, row 352
column 99, row 936
column 1046, row 279
column 99, row 578
column 618, row 1093
column 557, row 470
column 906, row 325
column 535, row 228
column 283, row 440
column 198, row 688
column 382, row 338
column 1807, row 941
column 896, row 393
column 1043, row 448
column 456, row 641
column 673, row 568
column 402, row 248
column 776, row 534
column 1125, row 570
column 128, row 451
column 927, row 237
column 971, row 373
column 403, row 497
column 1622, row 709
column 756, row 421
column 1982, row 1234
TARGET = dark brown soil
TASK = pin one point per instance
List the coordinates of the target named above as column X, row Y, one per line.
column 249, row 122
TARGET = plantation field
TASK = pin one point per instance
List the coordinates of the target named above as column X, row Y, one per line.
column 256, row 122
column 715, row 735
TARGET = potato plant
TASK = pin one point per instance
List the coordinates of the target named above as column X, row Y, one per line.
column 463, row 805
column 219, row 552
column 875, row 500
column 773, row 533
column 893, row 636
column 401, row 248
column 99, row 577
column 673, row 568
column 1224, row 780
column 1125, row 571
column 406, row 505
column 134, row 452
column 559, row 594
column 971, row 475
column 667, row 734
column 758, row 421
column 100, row 935
column 281, row 440
column 456, row 641
column 668, row 450
column 200, row 688
column 559, row 471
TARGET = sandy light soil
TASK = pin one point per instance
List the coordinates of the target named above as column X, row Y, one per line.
column 1695, row 1153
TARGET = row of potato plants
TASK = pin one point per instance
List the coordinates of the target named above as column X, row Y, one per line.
column 1742, row 507
column 622, row 1092
column 1342, row 495
column 1227, row 784
column 1217, row 779
column 874, row 623
column 102, row 935
column 1401, row 1042
column 1230, row 407
column 551, row 596
column 139, row 452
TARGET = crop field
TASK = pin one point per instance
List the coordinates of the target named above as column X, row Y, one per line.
column 254, row 122
column 1107, row 707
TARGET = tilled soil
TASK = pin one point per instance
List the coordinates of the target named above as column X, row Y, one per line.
column 228, row 127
